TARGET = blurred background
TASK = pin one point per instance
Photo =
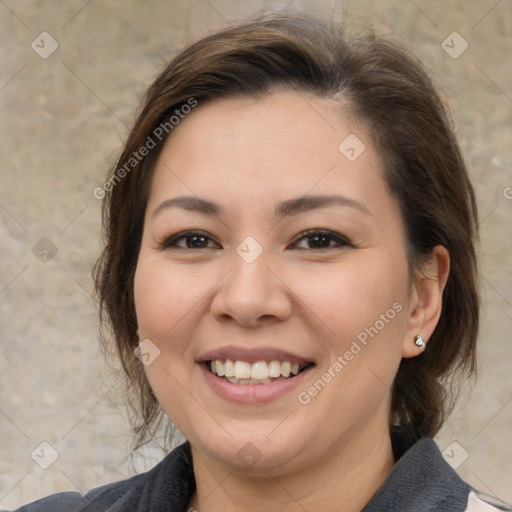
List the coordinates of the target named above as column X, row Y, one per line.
column 71, row 77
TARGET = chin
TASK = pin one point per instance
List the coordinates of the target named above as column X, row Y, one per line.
column 253, row 452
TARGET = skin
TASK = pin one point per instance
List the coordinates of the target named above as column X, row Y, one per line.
column 249, row 155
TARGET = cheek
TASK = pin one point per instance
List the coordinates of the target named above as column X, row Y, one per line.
column 359, row 318
column 152, row 291
column 349, row 300
column 165, row 300
column 164, row 295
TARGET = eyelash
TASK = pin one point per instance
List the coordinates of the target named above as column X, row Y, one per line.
column 169, row 243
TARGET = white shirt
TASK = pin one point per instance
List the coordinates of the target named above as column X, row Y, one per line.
column 483, row 503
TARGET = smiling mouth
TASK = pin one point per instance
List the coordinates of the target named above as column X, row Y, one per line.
column 260, row 372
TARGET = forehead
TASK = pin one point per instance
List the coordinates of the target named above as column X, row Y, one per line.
column 285, row 144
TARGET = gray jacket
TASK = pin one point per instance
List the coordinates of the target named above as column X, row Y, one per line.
column 421, row 481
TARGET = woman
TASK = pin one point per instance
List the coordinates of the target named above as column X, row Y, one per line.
column 290, row 276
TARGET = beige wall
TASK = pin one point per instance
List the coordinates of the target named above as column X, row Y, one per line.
column 63, row 119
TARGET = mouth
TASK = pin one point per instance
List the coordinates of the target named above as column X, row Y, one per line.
column 254, row 373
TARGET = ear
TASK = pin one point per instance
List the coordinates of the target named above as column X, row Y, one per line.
column 426, row 300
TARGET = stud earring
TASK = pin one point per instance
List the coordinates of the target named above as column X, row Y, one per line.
column 419, row 341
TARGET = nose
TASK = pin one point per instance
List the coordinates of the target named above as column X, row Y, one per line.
column 251, row 294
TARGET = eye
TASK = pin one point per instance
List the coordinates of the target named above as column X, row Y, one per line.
column 307, row 240
column 188, row 240
column 320, row 239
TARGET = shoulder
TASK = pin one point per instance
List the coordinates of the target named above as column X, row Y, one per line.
column 170, row 481
column 422, row 480
column 103, row 496
column 60, row 502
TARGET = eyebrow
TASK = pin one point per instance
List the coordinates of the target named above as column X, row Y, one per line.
column 286, row 208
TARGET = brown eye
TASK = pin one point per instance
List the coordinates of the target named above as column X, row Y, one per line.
column 321, row 239
column 189, row 240
column 196, row 242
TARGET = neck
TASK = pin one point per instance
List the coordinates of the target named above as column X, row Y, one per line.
column 344, row 479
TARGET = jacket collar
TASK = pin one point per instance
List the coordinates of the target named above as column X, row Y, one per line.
column 421, row 480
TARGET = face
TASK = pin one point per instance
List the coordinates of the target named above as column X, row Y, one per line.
column 271, row 246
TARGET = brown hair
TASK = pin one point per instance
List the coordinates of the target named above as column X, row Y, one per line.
column 383, row 86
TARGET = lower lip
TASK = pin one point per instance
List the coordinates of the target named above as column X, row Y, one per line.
column 252, row 393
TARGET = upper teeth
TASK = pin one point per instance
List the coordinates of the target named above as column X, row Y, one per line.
column 259, row 370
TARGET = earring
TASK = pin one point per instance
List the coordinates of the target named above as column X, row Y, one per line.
column 419, row 341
